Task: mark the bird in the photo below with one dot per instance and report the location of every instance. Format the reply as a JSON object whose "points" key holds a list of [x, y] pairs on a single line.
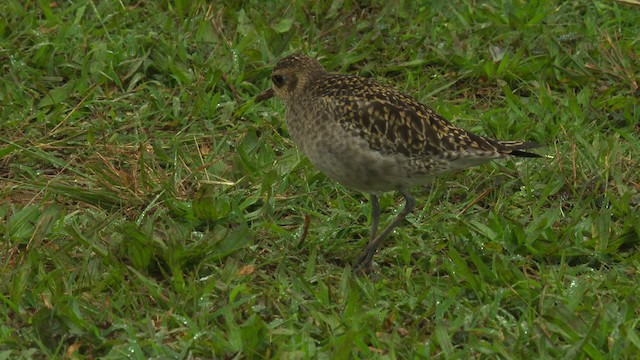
{"points": [[373, 138]]}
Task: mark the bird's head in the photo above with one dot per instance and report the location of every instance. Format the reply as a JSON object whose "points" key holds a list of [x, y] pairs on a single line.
{"points": [[291, 76]]}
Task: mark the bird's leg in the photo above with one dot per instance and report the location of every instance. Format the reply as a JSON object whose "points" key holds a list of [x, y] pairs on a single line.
{"points": [[375, 216], [366, 257]]}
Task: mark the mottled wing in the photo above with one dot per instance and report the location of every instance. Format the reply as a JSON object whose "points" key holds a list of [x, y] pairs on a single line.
{"points": [[393, 122]]}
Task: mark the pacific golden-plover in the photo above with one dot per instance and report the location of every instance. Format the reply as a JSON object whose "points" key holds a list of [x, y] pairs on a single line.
{"points": [[373, 138]]}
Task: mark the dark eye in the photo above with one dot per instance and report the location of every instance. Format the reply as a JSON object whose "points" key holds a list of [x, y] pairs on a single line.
{"points": [[278, 80]]}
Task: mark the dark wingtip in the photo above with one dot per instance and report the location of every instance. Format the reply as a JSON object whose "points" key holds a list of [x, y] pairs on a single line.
{"points": [[516, 148], [521, 153]]}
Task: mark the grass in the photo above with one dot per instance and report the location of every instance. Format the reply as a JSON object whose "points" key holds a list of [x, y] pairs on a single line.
{"points": [[151, 209]]}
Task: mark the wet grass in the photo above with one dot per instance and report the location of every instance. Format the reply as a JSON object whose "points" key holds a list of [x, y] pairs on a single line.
{"points": [[150, 208]]}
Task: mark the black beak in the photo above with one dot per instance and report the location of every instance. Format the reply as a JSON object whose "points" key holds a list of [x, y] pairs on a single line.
{"points": [[265, 95]]}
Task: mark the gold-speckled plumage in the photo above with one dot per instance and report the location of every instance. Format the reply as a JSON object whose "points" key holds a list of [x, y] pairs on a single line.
{"points": [[372, 137]]}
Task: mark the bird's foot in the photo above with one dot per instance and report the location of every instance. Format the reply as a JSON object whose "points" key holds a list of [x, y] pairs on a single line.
{"points": [[364, 263]]}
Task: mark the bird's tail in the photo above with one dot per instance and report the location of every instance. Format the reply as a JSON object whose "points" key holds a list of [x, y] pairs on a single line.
{"points": [[514, 148]]}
